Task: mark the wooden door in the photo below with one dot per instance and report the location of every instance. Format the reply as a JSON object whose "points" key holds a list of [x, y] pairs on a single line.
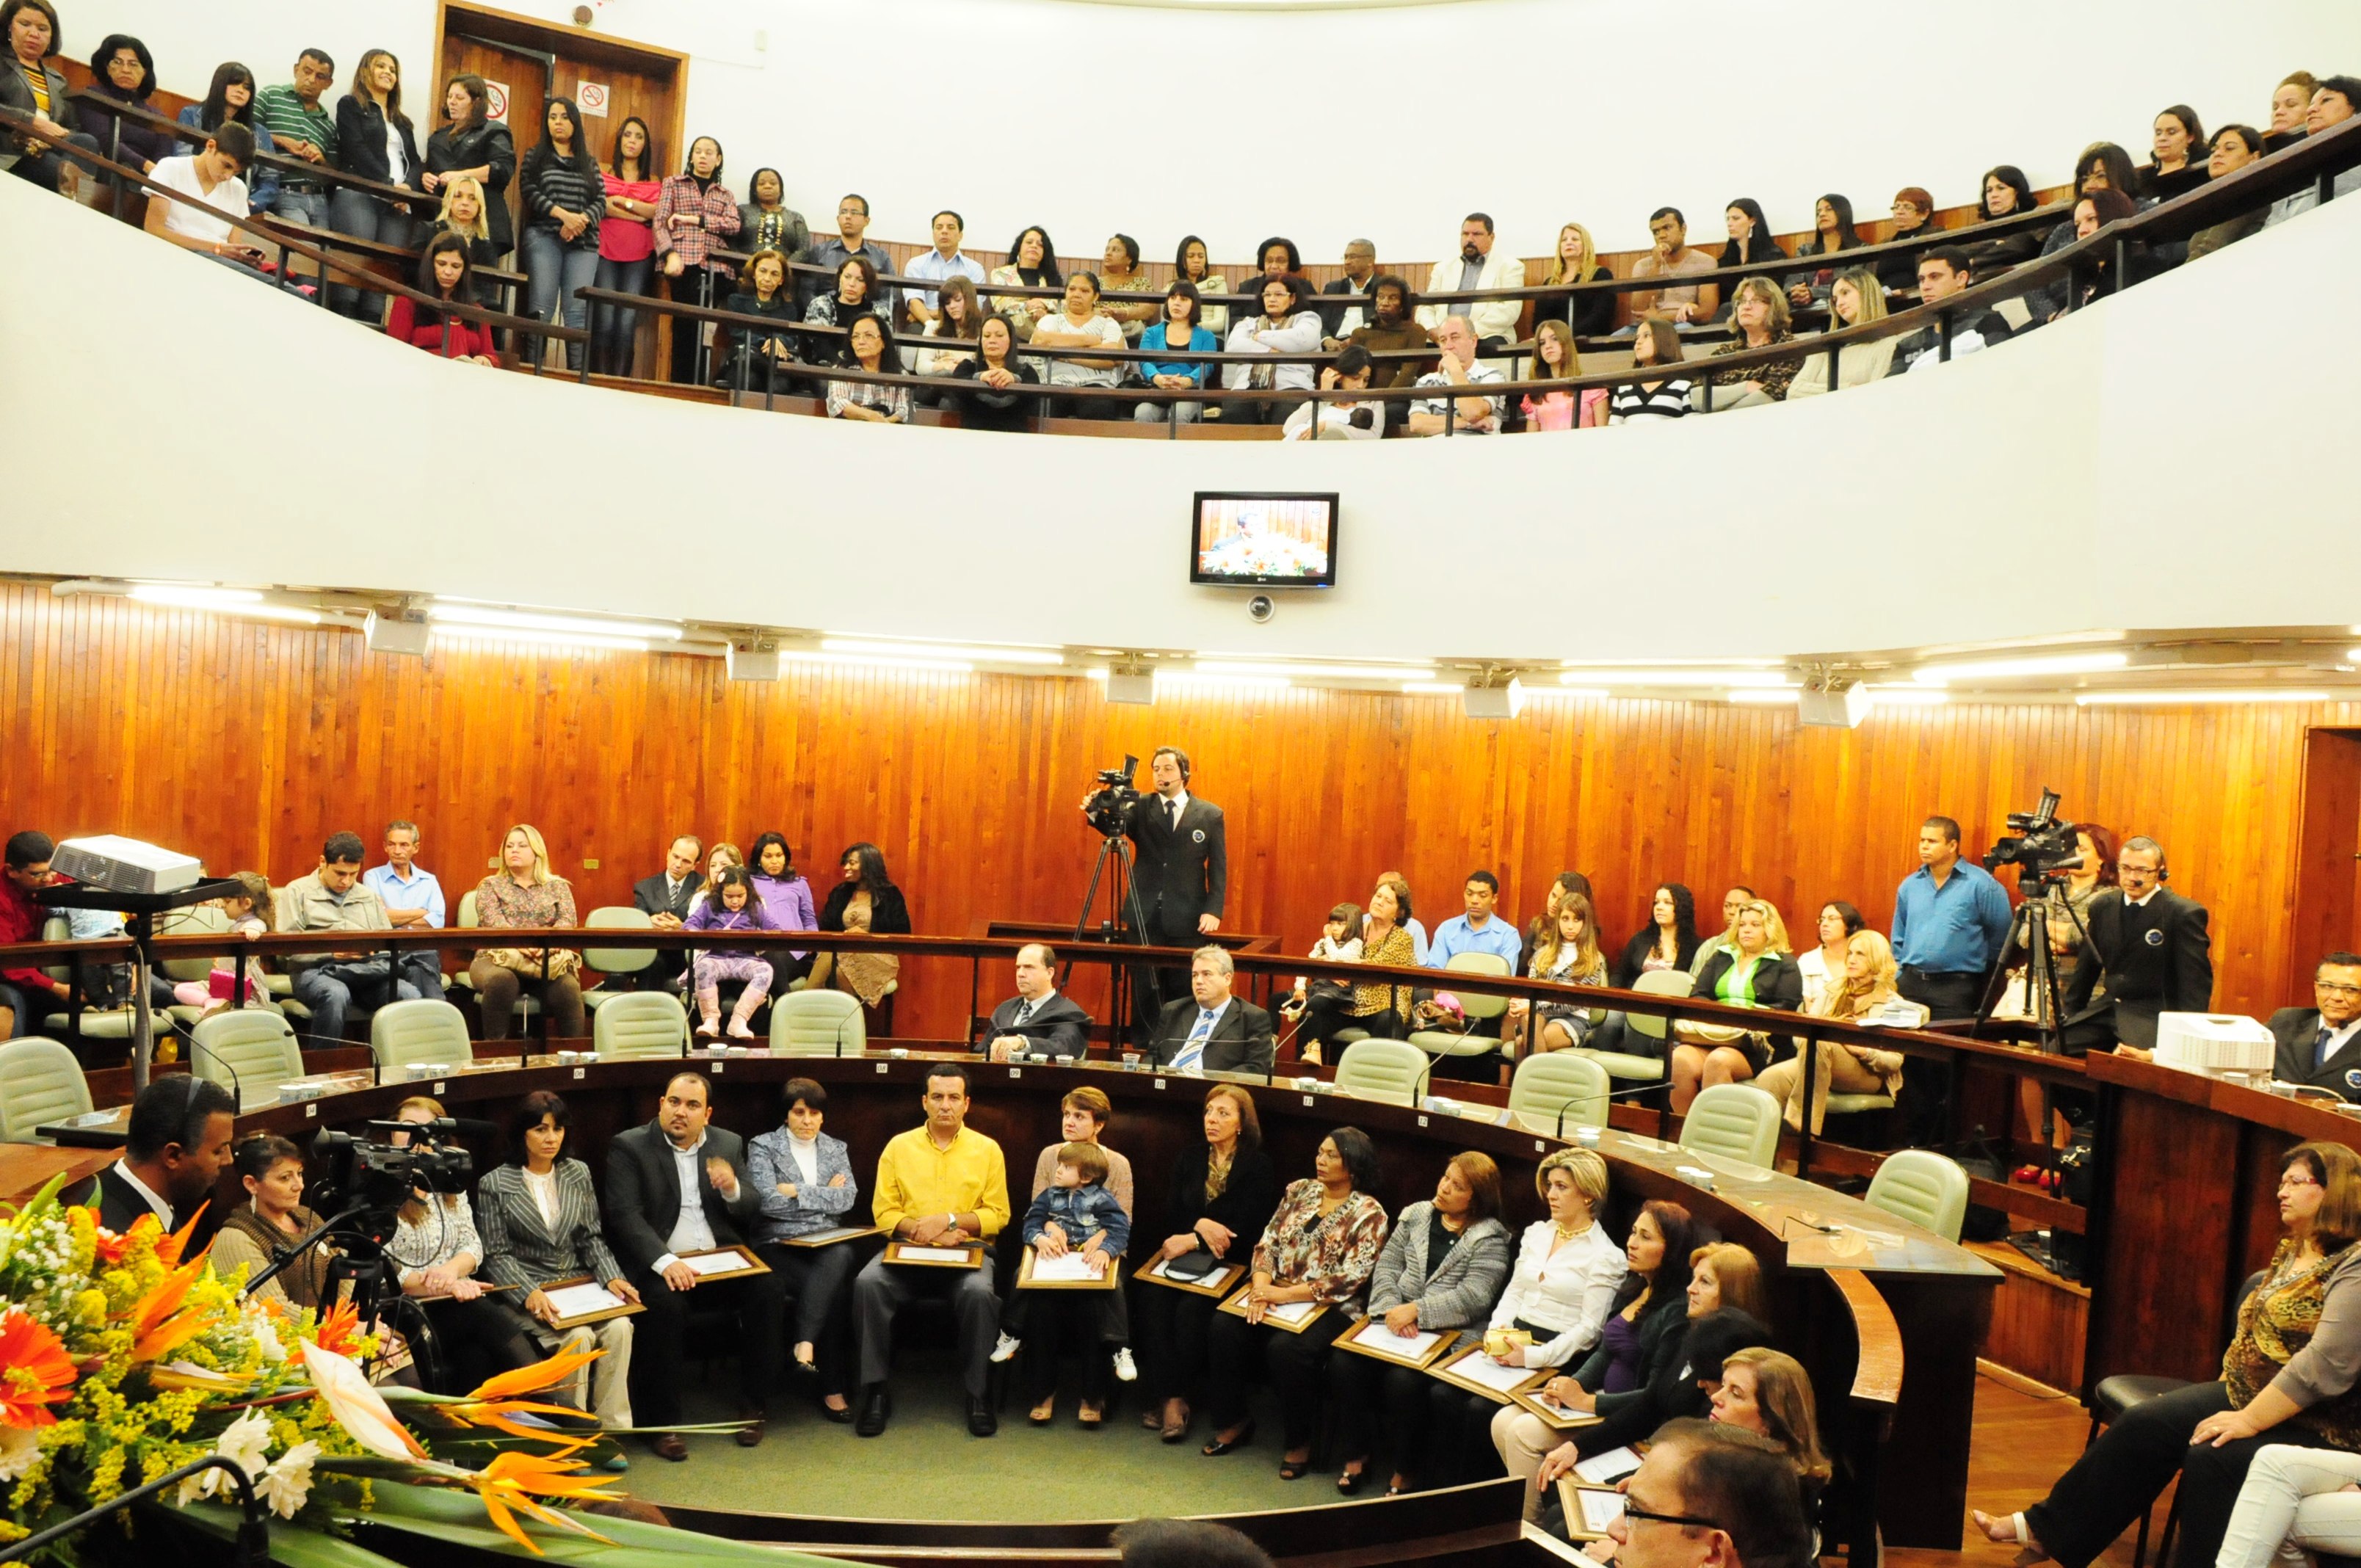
{"points": [[2328, 856]]}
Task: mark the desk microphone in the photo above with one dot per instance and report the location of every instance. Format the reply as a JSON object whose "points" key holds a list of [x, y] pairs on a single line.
{"points": [[1611, 1094], [237, 1089]]}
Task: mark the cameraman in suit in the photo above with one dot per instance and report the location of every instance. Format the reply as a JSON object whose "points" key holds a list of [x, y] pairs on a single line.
{"points": [[1037, 1018], [664, 899], [1210, 1030], [2154, 943], [1181, 874], [2321, 1044]]}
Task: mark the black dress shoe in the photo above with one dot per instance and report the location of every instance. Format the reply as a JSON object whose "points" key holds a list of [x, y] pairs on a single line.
{"points": [[980, 1422], [751, 1434], [669, 1445], [875, 1408]]}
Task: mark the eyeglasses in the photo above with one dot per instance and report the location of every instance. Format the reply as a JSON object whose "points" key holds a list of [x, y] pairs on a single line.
{"points": [[1631, 1511], [2336, 988], [2291, 1180]]}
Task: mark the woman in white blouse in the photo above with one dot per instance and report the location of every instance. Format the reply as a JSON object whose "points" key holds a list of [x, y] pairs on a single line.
{"points": [[1826, 963], [1285, 326], [1079, 325], [435, 1248]]}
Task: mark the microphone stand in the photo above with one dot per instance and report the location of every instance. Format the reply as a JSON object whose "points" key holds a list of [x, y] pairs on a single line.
{"points": [[252, 1543]]}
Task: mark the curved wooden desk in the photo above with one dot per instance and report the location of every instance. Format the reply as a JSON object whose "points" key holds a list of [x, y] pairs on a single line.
{"points": [[1889, 1337]]}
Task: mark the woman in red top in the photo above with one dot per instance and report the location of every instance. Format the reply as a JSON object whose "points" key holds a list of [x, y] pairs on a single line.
{"points": [[627, 246], [445, 272]]}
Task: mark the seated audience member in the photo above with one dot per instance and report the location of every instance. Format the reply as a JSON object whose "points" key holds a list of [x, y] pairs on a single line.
{"points": [[679, 1185], [375, 141], [210, 176], [2152, 942], [1440, 1271], [334, 899], [1750, 237], [1382, 1008], [1672, 258], [1339, 321], [1654, 347], [1474, 414], [1759, 319], [1076, 1213], [1743, 1483], [2006, 193], [1586, 313], [943, 1185], [564, 195], [944, 262], [31, 86], [1767, 1392], [1554, 359], [1480, 930], [412, 897], [1857, 995], [1211, 1030], [176, 1142], [1755, 972], [2102, 166], [787, 899], [249, 912], [538, 1216], [993, 403], [471, 145], [2332, 106], [1646, 1317], [665, 897], [1082, 1117], [231, 97], [957, 317], [2094, 276], [1032, 264], [2287, 1378], [1176, 330], [1734, 903], [1832, 233], [22, 917], [1492, 322], [855, 295], [1340, 942], [722, 857], [2297, 1501], [1553, 899], [2234, 147], [804, 1184], [1119, 272], [1338, 420], [300, 128], [852, 224], [1279, 255], [445, 272], [1284, 325], [267, 1225], [733, 907], [1914, 214], [1320, 1248], [2316, 1043], [1037, 1020], [1190, 265], [1669, 940], [2290, 100], [1079, 324], [627, 246], [2176, 156], [1943, 272], [1568, 954], [696, 214], [524, 893], [462, 216], [1559, 1294], [436, 1252], [765, 222], [123, 72], [1823, 963], [863, 900], [867, 348], [1222, 1192], [1392, 327], [1854, 300], [757, 358]]}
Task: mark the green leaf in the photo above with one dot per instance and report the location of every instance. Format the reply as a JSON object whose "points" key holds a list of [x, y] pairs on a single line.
{"points": [[459, 1517], [292, 1545]]}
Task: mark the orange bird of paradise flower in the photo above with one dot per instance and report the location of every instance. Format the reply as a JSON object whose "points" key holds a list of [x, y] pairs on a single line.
{"points": [[34, 1371], [495, 1402], [510, 1484], [159, 1326], [340, 1325]]}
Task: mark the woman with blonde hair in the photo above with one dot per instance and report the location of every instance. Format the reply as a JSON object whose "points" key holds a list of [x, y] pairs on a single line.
{"points": [[524, 893], [1556, 359], [1854, 300], [1575, 260], [1759, 318], [466, 213], [1755, 972], [1768, 1392], [1566, 954], [1843, 1067]]}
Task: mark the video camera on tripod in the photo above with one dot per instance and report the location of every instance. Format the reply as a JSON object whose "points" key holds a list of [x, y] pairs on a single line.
{"points": [[2043, 846], [374, 1176], [1109, 810]]}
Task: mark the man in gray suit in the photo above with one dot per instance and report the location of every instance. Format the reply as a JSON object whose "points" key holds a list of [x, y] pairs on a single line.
{"points": [[1209, 1030], [2321, 1044]]}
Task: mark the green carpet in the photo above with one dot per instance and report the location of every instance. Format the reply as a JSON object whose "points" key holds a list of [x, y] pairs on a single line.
{"points": [[809, 1465]]}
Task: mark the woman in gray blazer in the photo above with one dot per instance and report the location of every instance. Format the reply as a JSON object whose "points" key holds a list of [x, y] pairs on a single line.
{"points": [[805, 1181], [1441, 1270]]}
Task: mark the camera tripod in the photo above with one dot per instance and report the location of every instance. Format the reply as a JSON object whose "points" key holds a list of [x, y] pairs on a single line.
{"points": [[2045, 988], [1115, 848], [363, 1273]]}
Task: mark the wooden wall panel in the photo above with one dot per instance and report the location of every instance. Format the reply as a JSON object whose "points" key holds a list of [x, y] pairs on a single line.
{"points": [[247, 744]]}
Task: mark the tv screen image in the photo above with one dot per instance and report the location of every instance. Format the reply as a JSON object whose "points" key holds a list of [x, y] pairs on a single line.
{"points": [[1266, 540]]}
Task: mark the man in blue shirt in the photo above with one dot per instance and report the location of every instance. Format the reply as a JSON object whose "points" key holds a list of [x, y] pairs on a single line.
{"points": [[1478, 931], [412, 900], [1950, 921]]}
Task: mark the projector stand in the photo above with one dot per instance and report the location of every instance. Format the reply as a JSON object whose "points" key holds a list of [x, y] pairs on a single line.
{"points": [[142, 909]]}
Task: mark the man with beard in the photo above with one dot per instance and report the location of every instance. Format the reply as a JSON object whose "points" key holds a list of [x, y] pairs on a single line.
{"points": [[1494, 322]]}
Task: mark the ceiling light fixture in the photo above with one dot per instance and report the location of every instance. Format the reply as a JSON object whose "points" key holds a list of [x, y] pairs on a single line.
{"points": [[980, 655], [223, 601], [2202, 695], [2016, 669], [527, 621], [1178, 680]]}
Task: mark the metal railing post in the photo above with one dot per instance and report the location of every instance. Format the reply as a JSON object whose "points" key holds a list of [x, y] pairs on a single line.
{"points": [[1943, 337]]}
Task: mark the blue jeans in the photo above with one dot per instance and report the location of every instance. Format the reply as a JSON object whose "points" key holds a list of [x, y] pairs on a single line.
{"points": [[12, 998], [309, 208], [556, 270], [614, 329], [329, 989], [363, 217]]}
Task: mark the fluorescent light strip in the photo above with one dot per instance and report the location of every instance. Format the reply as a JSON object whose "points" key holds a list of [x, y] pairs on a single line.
{"points": [[1907, 696], [1228, 668], [1761, 696], [863, 662], [1180, 680], [526, 621], [2353, 655], [225, 602], [576, 642], [2013, 669], [1431, 688], [1567, 694], [1674, 665], [2202, 695], [1592, 675], [980, 655]]}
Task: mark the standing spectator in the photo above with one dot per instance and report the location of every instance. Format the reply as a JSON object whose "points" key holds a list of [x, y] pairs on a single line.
{"points": [[1032, 264], [31, 87], [1654, 347], [1471, 412], [1949, 920], [445, 273], [1913, 209], [1855, 300], [627, 246], [22, 917], [373, 141], [470, 142], [1589, 312], [300, 128], [333, 899], [1177, 329], [123, 72], [1672, 258], [993, 404], [864, 900], [525, 894], [2158, 958], [944, 261], [1759, 319], [765, 222], [565, 198], [412, 899], [2006, 193], [1190, 265], [1832, 234], [867, 348], [1392, 326], [851, 222], [1493, 322], [231, 97], [1080, 325], [694, 215]]}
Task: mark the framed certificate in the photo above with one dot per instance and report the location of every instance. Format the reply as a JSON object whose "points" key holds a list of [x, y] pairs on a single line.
{"points": [[585, 1301], [1067, 1272], [1588, 1509], [1292, 1316], [1218, 1283], [1555, 1416], [1479, 1374], [934, 1256], [724, 1263], [837, 1233], [1370, 1337]]}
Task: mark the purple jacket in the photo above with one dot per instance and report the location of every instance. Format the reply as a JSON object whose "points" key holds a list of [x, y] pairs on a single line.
{"points": [[788, 904], [708, 916]]}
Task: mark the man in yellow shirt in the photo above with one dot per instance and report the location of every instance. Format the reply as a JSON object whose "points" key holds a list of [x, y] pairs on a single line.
{"points": [[940, 1185]]}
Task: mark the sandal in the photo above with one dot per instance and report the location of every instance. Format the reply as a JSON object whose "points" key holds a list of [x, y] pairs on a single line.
{"points": [[1042, 1414], [1092, 1415], [1294, 1469]]}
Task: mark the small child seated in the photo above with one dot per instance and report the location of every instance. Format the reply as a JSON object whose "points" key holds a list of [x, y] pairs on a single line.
{"points": [[249, 917], [1075, 1213], [733, 907], [1340, 942]]}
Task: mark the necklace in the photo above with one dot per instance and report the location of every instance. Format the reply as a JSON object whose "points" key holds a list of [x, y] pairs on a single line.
{"points": [[1566, 1233]]}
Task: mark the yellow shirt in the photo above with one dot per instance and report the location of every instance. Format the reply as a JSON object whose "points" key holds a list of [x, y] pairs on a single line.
{"points": [[915, 1178]]}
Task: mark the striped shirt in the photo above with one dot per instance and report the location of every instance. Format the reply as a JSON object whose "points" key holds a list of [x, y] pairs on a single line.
{"points": [[283, 113], [1666, 400], [549, 182]]}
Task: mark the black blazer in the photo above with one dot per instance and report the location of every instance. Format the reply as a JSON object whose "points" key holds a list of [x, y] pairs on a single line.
{"points": [[1059, 1027], [1590, 315], [360, 144], [1241, 1040], [1777, 983], [650, 896], [487, 145], [1674, 1350], [888, 915], [1248, 1200], [1332, 316], [17, 94], [1643, 941], [2297, 1030], [1178, 876], [980, 408], [118, 1206], [2160, 960], [643, 1193]]}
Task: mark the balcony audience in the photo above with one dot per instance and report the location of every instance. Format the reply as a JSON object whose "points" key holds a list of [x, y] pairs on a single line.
{"points": [[1556, 359], [1176, 330], [1338, 419], [1943, 272], [1120, 273], [868, 349], [565, 194], [2176, 156], [830, 255], [1392, 327], [333, 899], [2006, 194], [1656, 347], [2331, 105], [627, 244], [1854, 300], [1192, 264], [957, 319], [462, 216], [1586, 313], [1339, 321], [1679, 303], [854, 294], [758, 358], [1491, 323], [210, 176], [525, 894], [123, 72], [2234, 147], [374, 141], [232, 97], [1079, 324], [446, 275], [1833, 233], [1760, 319], [993, 403], [944, 262], [1914, 214], [1032, 264], [696, 216], [33, 87], [765, 222], [300, 128], [2290, 101], [1285, 324], [1471, 414], [471, 143]]}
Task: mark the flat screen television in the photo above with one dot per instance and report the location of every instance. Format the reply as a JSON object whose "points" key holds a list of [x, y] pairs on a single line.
{"points": [[1263, 539]]}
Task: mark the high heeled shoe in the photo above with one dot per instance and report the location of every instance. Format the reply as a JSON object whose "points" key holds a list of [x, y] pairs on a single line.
{"points": [[1349, 1482], [1221, 1445]]}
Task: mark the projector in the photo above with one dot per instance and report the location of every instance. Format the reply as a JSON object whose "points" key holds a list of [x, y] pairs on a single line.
{"points": [[126, 865], [2213, 1043]]}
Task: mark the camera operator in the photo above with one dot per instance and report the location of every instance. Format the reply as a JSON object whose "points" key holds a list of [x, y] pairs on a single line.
{"points": [[2154, 943], [1181, 874]]}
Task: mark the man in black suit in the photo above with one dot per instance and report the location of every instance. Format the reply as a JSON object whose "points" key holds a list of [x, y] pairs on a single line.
{"points": [[1210, 1030], [178, 1146], [664, 898], [2158, 958], [2321, 1044], [1182, 874], [1037, 1018], [1339, 322], [677, 1186]]}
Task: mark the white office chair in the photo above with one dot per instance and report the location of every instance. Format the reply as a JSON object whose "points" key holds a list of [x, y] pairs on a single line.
{"points": [[1559, 1089], [1391, 1071], [250, 1051], [639, 1024], [817, 1023], [41, 1083], [1736, 1121], [420, 1033]]}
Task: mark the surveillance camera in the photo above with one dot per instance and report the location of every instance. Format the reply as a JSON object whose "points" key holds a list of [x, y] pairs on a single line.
{"points": [[1259, 608]]}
